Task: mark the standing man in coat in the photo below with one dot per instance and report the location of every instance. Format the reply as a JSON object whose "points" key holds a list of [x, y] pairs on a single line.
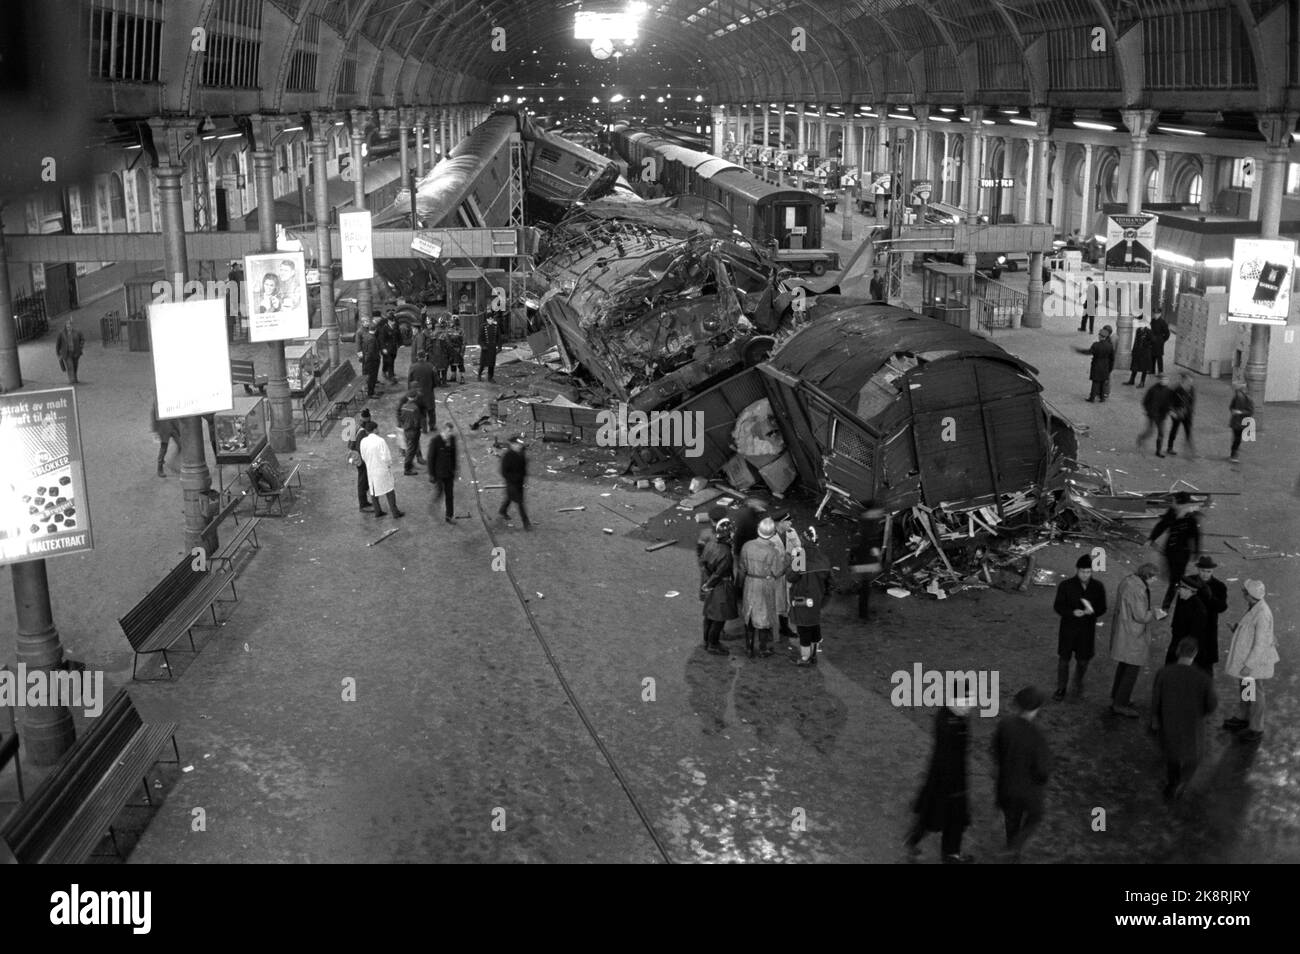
{"points": [[1080, 602], [744, 525], [489, 339], [810, 587], [442, 469], [421, 376], [455, 350], [942, 804], [1130, 636], [1099, 368], [1159, 335], [1089, 303], [1181, 412], [389, 339], [1192, 621], [514, 471], [379, 470], [356, 460], [760, 576], [1143, 362], [371, 355], [168, 430], [866, 553], [1023, 765], [1215, 594], [717, 586], [1251, 657], [1183, 695], [1240, 408], [68, 347], [410, 419], [876, 286], [1183, 542], [1156, 403]]}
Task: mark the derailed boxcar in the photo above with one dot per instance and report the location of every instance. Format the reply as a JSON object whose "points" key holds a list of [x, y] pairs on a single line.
{"points": [[876, 402]]}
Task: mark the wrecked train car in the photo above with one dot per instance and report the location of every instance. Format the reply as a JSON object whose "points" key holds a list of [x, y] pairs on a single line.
{"points": [[652, 302], [876, 402]]}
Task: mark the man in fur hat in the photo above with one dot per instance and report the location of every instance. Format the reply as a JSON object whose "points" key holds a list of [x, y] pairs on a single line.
{"points": [[1080, 601]]}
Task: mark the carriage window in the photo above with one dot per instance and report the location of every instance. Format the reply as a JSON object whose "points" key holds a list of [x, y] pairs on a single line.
{"points": [[547, 154], [789, 216]]}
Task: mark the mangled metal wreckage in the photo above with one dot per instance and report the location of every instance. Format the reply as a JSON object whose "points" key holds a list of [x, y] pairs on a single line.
{"points": [[652, 303], [859, 402]]}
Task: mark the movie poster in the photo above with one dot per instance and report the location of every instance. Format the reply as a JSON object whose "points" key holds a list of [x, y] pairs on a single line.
{"points": [[276, 296], [43, 505]]}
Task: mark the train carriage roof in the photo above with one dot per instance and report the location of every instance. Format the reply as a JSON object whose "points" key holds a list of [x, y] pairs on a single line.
{"points": [[749, 186]]}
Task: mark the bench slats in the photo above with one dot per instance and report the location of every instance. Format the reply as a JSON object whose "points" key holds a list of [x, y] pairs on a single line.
{"points": [[187, 613]]}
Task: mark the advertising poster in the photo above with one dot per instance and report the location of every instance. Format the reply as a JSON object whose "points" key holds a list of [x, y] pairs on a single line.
{"points": [[191, 358], [276, 293], [1263, 271], [43, 506], [1130, 242], [354, 236]]}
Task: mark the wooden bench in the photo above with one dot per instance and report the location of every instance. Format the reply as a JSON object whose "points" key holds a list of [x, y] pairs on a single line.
{"points": [[343, 389], [286, 489], [9, 747], [557, 415], [245, 534], [242, 372], [315, 408], [173, 608], [69, 814]]}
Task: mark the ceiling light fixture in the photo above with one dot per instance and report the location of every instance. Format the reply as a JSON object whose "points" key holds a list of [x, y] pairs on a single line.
{"points": [[1181, 131], [1089, 124]]}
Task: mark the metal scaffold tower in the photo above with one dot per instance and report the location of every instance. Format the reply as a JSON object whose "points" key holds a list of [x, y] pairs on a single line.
{"points": [[894, 259], [519, 264]]}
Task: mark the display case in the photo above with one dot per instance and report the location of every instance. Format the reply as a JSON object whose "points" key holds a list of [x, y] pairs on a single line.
{"points": [[300, 361], [241, 431], [318, 341]]}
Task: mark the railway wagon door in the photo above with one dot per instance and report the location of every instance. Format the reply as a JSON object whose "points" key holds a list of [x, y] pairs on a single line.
{"points": [[791, 221]]}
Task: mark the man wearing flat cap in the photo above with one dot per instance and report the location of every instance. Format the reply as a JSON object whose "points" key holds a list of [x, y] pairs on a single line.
{"points": [[1192, 620], [1023, 766], [1130, 636], [1080, 602], [1251, 657]]}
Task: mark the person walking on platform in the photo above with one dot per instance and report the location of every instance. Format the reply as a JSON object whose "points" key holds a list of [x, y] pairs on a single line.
{"points": [[1130, 636], [421, 376], [865, 553], [1102, 352], [168, 430], [1181, 412], [355, 458], [876, 286], [1240, 408], [514, 471], [1181, 698], [489, 339], [1023, 764], [809, 574], [1159, 335], [389, 340], [440, 352], [1143, 362], [942, 804], [1192, 621], [379, 459], [1181, 528], [442, 469], [1156, 403], [69, 347], [1080, 602], [1089, 304], [717, 586], [760, 575], [1251, 658], [410, 419]]}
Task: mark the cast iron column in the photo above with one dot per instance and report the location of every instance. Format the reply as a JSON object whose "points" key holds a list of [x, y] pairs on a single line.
{"points": [[1277, 129], [974, 158], [359, 200], [1036, 193], [281, 436], [1138, 122], [324, 256]]}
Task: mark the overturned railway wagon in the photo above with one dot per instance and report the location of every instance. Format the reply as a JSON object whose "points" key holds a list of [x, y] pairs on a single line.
{"points": [[876, 402]]}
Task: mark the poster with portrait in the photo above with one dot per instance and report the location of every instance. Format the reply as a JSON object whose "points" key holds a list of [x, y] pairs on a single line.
{"points": [[275, 293], [191, 357], [43, 505], [1259, 290]]}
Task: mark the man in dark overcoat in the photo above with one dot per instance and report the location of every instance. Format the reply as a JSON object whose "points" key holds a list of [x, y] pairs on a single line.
{"points": [[1102, 352], [1215, 595], [371, 360], [1023, 765], [810, 588], [717, 586], [421, 376], [1192, 619], [942, 804], [442, 468], [1183, 526], [1080, 602], [1183, 695]]}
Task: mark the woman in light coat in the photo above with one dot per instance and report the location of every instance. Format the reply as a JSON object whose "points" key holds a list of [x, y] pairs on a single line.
{"points": [[1130, 636], [1251, 658], [379, 470]]}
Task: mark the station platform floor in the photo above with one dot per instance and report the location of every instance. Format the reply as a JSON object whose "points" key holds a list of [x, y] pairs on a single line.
{"points": [[564, 710]]}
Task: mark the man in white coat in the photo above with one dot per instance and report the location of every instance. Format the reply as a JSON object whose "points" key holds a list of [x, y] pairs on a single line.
{"points": [[379, 469], [1130, 636], [1250, 659]]}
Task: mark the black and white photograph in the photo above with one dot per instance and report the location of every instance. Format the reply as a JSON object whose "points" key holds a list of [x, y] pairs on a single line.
{"points": [[883, 447]]}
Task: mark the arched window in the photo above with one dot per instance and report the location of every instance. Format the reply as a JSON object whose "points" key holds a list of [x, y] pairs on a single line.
{"points": [[1153, 185], [1194, 187], [1076, 175], [144, 205], [116, 203]]}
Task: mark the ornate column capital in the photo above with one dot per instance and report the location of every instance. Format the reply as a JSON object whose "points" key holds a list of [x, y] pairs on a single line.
{"points": [[1276, 128], [1042, 117], [976, 116], [1138, 121]]}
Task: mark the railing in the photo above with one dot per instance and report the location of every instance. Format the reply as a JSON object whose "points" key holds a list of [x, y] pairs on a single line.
{"points": [[30, 320], [997, 305]]}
